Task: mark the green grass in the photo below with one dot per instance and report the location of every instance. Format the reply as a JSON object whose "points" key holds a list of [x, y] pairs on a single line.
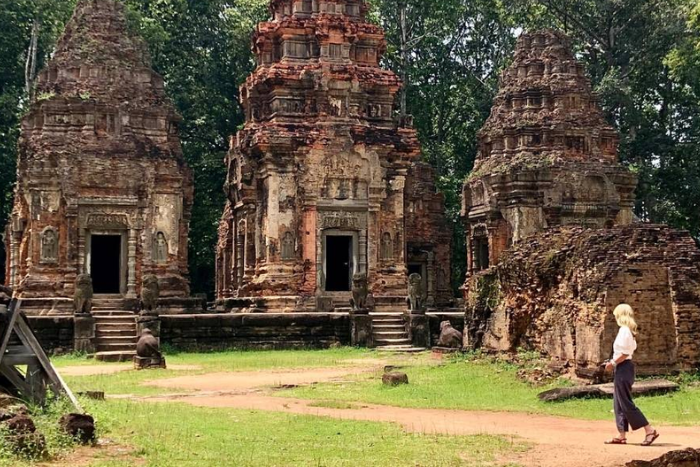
{"points": [[131, 381], [180, 435], [481, 385]]}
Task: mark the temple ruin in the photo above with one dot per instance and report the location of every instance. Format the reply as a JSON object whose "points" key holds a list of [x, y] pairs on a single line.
{"points": [[553, 242], [324, 180], [103, 188]]}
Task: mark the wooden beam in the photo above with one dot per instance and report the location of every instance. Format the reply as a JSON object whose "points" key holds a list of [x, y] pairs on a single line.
{"points": [[29, 339], [17, 379], [13, 312]]}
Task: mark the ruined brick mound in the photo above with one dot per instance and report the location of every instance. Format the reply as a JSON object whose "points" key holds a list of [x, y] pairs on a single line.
{"points": [[79, 426], [685, 458], [394, 378], [555, 292], [21, 433]]}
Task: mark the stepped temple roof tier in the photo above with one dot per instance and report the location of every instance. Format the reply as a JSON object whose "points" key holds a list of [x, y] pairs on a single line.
{"points": [[547, 157], [103, 188], [318, 176]]}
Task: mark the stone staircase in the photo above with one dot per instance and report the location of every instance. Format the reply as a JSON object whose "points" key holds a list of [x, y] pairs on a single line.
{"points": [[388, 326], [115, 330]]}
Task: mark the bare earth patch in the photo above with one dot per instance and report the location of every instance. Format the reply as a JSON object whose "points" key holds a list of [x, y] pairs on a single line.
{"points": [[93, 370], [106, 451], [557, 441], [247, 380]]}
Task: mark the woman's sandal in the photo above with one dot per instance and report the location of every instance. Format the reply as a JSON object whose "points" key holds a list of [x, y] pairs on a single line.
{"points": [[617, 441], [653, 436]]}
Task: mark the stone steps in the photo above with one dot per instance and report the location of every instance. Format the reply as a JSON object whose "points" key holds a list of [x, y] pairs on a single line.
{"points": [[401, 348], [389, 329], [115, 334]]}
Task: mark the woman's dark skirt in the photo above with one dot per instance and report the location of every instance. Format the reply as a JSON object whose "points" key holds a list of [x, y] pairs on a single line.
{"points": [[626, 413]]}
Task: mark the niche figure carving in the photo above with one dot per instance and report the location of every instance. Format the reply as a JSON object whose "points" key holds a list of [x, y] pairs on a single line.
{"points": [[82, 298], [288, 246], [449, 336], [150, 292], [160, 248], [387, 247], [415, 293], [49, 246], [358, 302]]}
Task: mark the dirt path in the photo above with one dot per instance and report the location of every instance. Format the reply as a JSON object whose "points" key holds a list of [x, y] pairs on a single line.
{"points": [[247, 380], [110, 369], [557, 441]]}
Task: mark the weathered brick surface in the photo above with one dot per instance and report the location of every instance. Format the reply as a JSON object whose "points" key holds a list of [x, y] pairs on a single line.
{"points": [[261, 330], [321, 152], [99, 153], [55, 333], [556, 292]]}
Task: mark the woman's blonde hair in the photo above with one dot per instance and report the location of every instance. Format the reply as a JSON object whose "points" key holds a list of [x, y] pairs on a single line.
{"points": [[624, 314]]}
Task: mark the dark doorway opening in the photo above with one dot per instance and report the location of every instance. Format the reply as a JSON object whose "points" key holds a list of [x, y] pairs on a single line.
{"points": [[415, 269], [481, 253], [338, 263], [105, 263]]}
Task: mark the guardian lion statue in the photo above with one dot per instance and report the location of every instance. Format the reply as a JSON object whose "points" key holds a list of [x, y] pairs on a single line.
{"points": [[82, 299], [358, 301], [415, 293], [148, 354], [449, 336], [150, 293]]}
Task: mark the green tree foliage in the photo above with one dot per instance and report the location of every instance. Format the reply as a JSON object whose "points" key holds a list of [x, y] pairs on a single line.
{"points": [[449, 54], [643, 58], [18, 20], [202, 49], [638, 55]]}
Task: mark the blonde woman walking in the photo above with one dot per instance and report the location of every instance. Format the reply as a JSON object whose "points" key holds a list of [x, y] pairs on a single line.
{"points": [[626, 413]]}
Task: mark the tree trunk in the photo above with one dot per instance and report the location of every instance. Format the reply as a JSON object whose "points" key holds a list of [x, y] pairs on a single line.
{"points": [[30, 65]]}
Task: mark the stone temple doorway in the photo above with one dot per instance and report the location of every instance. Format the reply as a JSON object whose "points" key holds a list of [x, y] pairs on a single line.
{"points": [[339, 251], [106, 263]]}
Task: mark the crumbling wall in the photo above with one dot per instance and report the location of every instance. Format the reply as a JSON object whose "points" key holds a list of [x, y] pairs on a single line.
{"points": [[557, 291]]}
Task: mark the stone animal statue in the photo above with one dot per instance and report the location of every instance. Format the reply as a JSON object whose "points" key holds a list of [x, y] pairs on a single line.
{"points": [[150, 292], [82, 299], [148, 346], [359, 292], [449, 336], [415, 293]]}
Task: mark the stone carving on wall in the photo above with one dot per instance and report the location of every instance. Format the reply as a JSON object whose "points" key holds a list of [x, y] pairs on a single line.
{"points": [[49, 245], [160, 248], [107, 221], [387, 248], [340, 220], [288, 246]]}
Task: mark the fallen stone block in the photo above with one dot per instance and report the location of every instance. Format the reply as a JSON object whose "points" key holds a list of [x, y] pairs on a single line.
{"points": [[654, 386], [394, 378], [79, 426]]}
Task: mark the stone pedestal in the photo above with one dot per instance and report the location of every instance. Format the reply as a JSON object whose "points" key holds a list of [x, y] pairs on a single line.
{"points": [[419, 329], [84, 333], [154, 363], [361, 329]]}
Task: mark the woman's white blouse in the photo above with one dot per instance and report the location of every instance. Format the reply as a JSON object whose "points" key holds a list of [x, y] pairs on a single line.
{"points": [[624, 343]]}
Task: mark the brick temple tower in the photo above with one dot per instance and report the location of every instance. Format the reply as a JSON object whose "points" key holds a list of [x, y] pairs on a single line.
{"points": [[323, 181], [547, 157], [102, 184]]}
